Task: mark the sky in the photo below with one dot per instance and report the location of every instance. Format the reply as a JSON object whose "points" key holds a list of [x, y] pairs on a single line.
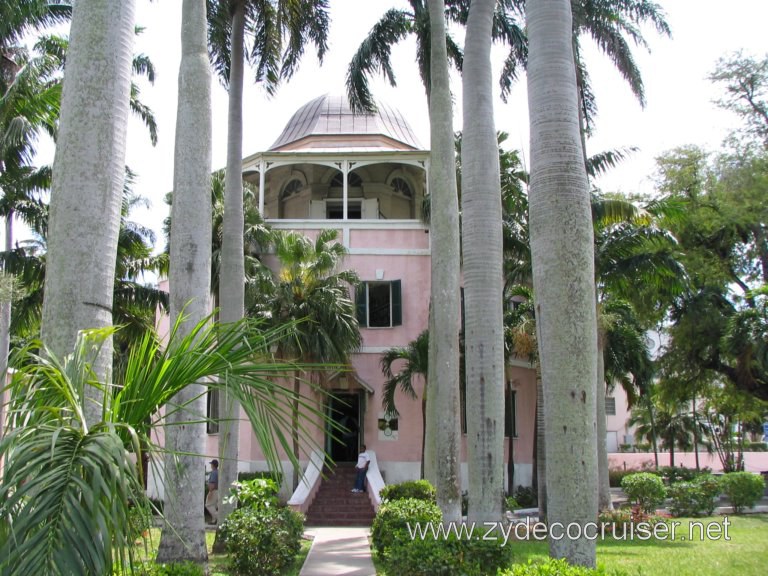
{"points": [[679, 108]]}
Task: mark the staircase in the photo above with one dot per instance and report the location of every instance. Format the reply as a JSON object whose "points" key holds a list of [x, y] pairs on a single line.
{"points": [[335, 504]]}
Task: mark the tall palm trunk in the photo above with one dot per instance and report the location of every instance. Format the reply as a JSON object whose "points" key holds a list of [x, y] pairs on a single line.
{"points": [[232, 283], [446, 303], [6, 299], [183, 538], [88, 175], [695, 431], [541, 447], [295, 428], [562, 249], [654, 437], [483, 275], [603, 482]]}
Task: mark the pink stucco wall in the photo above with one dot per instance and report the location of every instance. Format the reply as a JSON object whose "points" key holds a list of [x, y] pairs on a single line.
{"points": [[754, 461]]}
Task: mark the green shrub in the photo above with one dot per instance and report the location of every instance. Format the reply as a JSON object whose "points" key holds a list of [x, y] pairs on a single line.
{"points": [[553, 567], [696, 498], [616, 475], [276, 477], [139, 519], [392, 520], [756, 447], [449, 555], [256, 493], [510, 503], [418, 489], [262, 541], [526, 496], [673, 474], [743, 489], [170, 569], [644, 489]]}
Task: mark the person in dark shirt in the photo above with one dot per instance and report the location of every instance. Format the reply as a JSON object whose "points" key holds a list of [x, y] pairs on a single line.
{"points": [[212, 499]]}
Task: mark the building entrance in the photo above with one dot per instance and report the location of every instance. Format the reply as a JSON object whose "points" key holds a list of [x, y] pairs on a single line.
{"points": [[345, 410]]}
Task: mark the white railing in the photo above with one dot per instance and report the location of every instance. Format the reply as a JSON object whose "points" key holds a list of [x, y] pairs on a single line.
{"points": [[375, 481], [310, 481]]}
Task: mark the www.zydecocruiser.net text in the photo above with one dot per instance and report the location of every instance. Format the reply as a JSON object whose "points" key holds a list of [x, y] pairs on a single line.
{"points": [[535, 530]]}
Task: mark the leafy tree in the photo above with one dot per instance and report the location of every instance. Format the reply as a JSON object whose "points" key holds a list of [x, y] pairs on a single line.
{"points": [[415, 359], [67, 485], [309, 286]]}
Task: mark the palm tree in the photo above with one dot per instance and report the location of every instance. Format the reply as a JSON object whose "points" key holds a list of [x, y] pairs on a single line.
{"points": [[443, 436], [562, 249], [395, 25], [91, 140], [68, 485], [671, 422], [416, 364], [18, 17], [483, 272], [279, 32], [309, 286], [189, 276]]}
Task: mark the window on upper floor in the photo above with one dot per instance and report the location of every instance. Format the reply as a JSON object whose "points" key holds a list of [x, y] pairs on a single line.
{"points": [[610, 406], [379, 304], [353, 181], [334, 209], [401, 186]]}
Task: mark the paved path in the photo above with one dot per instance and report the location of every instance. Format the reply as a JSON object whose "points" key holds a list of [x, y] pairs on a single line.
{"points": [[339, 552]]}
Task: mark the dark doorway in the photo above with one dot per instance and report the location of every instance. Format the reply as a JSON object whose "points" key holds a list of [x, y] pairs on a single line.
{"points": [[344, 409]]}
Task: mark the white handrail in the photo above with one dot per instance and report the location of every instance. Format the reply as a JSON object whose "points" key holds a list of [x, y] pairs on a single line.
{"points": [[310, 480], [375, 481]]}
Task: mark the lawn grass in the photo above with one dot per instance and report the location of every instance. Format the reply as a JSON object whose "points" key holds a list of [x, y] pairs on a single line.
{"points": [[745, 554]]}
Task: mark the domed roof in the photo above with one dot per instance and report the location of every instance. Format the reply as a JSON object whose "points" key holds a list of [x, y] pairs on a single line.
{"points": [[327, 124]]}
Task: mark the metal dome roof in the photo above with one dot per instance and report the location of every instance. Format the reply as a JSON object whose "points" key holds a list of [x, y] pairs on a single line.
{"points": [[328, 123]]}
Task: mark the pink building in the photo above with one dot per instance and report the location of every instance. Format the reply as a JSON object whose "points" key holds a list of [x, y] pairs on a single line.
{"points": [[366, 177]]}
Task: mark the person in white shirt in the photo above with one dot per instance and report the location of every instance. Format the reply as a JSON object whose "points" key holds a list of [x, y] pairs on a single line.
{"points": [[363, 461]]}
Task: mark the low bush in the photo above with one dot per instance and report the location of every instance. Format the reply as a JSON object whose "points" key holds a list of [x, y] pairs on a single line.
{"points": [[277, 478], [418, 489], [393, 519], [262, 541], [257, 493], [646, 490], [743, 489], [526, 496], [616, 475], [554, 567], [511, 503], [404, 551], [674, 474], [695, 498], [756, 447], [170, 569], [139, 519]]}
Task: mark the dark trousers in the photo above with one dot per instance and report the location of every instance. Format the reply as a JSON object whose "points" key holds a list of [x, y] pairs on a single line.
{"points": [[360, 478]]}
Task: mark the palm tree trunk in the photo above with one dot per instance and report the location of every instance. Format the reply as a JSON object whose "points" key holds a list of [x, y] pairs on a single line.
{"points": [[603, 482], [541, 448], [6, 300], [511, 454], [295, 428], [183, 537], [423, 429], [654, 438], [695, 431], [232, 281], [562, 249], [482, 267], [87, 186], [446, 302]]}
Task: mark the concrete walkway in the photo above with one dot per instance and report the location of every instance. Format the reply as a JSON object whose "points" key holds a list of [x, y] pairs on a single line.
{"points": [[339, 552]]}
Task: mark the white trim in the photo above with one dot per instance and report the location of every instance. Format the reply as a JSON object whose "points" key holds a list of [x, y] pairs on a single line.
{"points": [[389, 252], [373, 349], [306, 224], [345, 237]]}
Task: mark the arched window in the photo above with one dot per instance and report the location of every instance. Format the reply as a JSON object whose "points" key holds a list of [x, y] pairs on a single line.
{"points": [[292, 187], [400, 186]]}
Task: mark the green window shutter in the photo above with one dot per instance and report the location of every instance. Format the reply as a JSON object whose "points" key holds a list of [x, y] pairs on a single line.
{"points": [[397, 303], [361, 302]]}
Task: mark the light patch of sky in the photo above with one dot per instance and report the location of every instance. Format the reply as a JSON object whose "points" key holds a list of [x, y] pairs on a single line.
{"points": [[679, 97]]}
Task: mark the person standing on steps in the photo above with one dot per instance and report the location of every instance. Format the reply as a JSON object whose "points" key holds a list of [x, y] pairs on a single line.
{"points": [[363, 461], [212, 498]]}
